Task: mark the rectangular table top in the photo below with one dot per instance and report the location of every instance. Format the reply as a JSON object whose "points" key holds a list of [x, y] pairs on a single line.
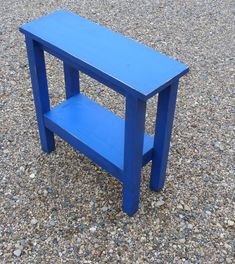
{"points": [[126, 63]]}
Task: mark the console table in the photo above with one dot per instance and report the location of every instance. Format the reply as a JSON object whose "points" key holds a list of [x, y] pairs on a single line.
{"points": [[120, 146]]}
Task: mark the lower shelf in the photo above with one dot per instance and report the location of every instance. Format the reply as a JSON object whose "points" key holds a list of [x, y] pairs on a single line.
{"points": [[94, 131]]}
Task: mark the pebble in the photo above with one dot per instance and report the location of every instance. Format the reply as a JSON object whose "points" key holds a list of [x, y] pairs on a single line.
{"points": [[104, 208], [142, 239], [34, 221], [17, 252], [219, 145], [52, 223], [180, 206], [227, 246], [230, 223], [229, 260], [159, 203], [13, 83], [190, 226], [93, 229], [182, 240], [5, 151], [32, 176], [19, 246], [187, 208]]}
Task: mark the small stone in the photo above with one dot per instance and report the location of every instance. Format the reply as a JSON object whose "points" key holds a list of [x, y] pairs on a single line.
{"points": [[13, 83], [230, 223], [55, 240], [32, 176], [34, 221], [159, 203], [179, 206], [43, 238], [52, 223], [187, 208], [227, 246], [96, 245], [224, 184], [219, 145], [93, 229], [229, 260], [190, 226], [182, 240], [45, 192], [49, 190], [19, 246], [142, 239], [17, 252], [196, 230], [104, 208], [20, 171], [157, 221]]}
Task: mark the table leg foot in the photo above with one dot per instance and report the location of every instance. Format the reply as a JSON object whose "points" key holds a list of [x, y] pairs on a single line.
{"points": [[47, 140], [130, 201], [133, 154], [155, 187]]}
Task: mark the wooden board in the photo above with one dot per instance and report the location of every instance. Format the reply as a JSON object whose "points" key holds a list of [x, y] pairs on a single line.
{"points": [[121, 63], [95, 131]]}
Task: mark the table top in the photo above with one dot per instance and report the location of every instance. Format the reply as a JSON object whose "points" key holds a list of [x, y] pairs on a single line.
{"points": [[134, 67]]}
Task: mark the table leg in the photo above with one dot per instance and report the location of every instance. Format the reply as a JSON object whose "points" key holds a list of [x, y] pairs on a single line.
{"points": [[71, 79], [40, 91], [163, 129], [134, 137]]}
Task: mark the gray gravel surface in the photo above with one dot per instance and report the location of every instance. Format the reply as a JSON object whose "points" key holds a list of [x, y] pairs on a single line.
{"points": [[62, 208]]}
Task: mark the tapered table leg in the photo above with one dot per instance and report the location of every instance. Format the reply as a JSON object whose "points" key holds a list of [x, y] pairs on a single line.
{"points": [[40, 91], [163, 129], [134, 136]]}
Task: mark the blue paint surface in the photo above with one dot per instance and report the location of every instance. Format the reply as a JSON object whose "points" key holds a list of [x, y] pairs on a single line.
{"points": [[93, 130], [135, 67], [138, 72]]}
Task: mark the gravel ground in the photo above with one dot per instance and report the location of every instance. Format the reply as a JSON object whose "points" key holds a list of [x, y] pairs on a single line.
{"points": [[62, 208]]}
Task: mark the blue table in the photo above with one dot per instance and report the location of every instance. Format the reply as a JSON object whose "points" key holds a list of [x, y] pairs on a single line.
{"points": [[138, 72]]}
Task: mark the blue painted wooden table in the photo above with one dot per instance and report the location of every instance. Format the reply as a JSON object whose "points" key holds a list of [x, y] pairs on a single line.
{"points": [[138, 72]]}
